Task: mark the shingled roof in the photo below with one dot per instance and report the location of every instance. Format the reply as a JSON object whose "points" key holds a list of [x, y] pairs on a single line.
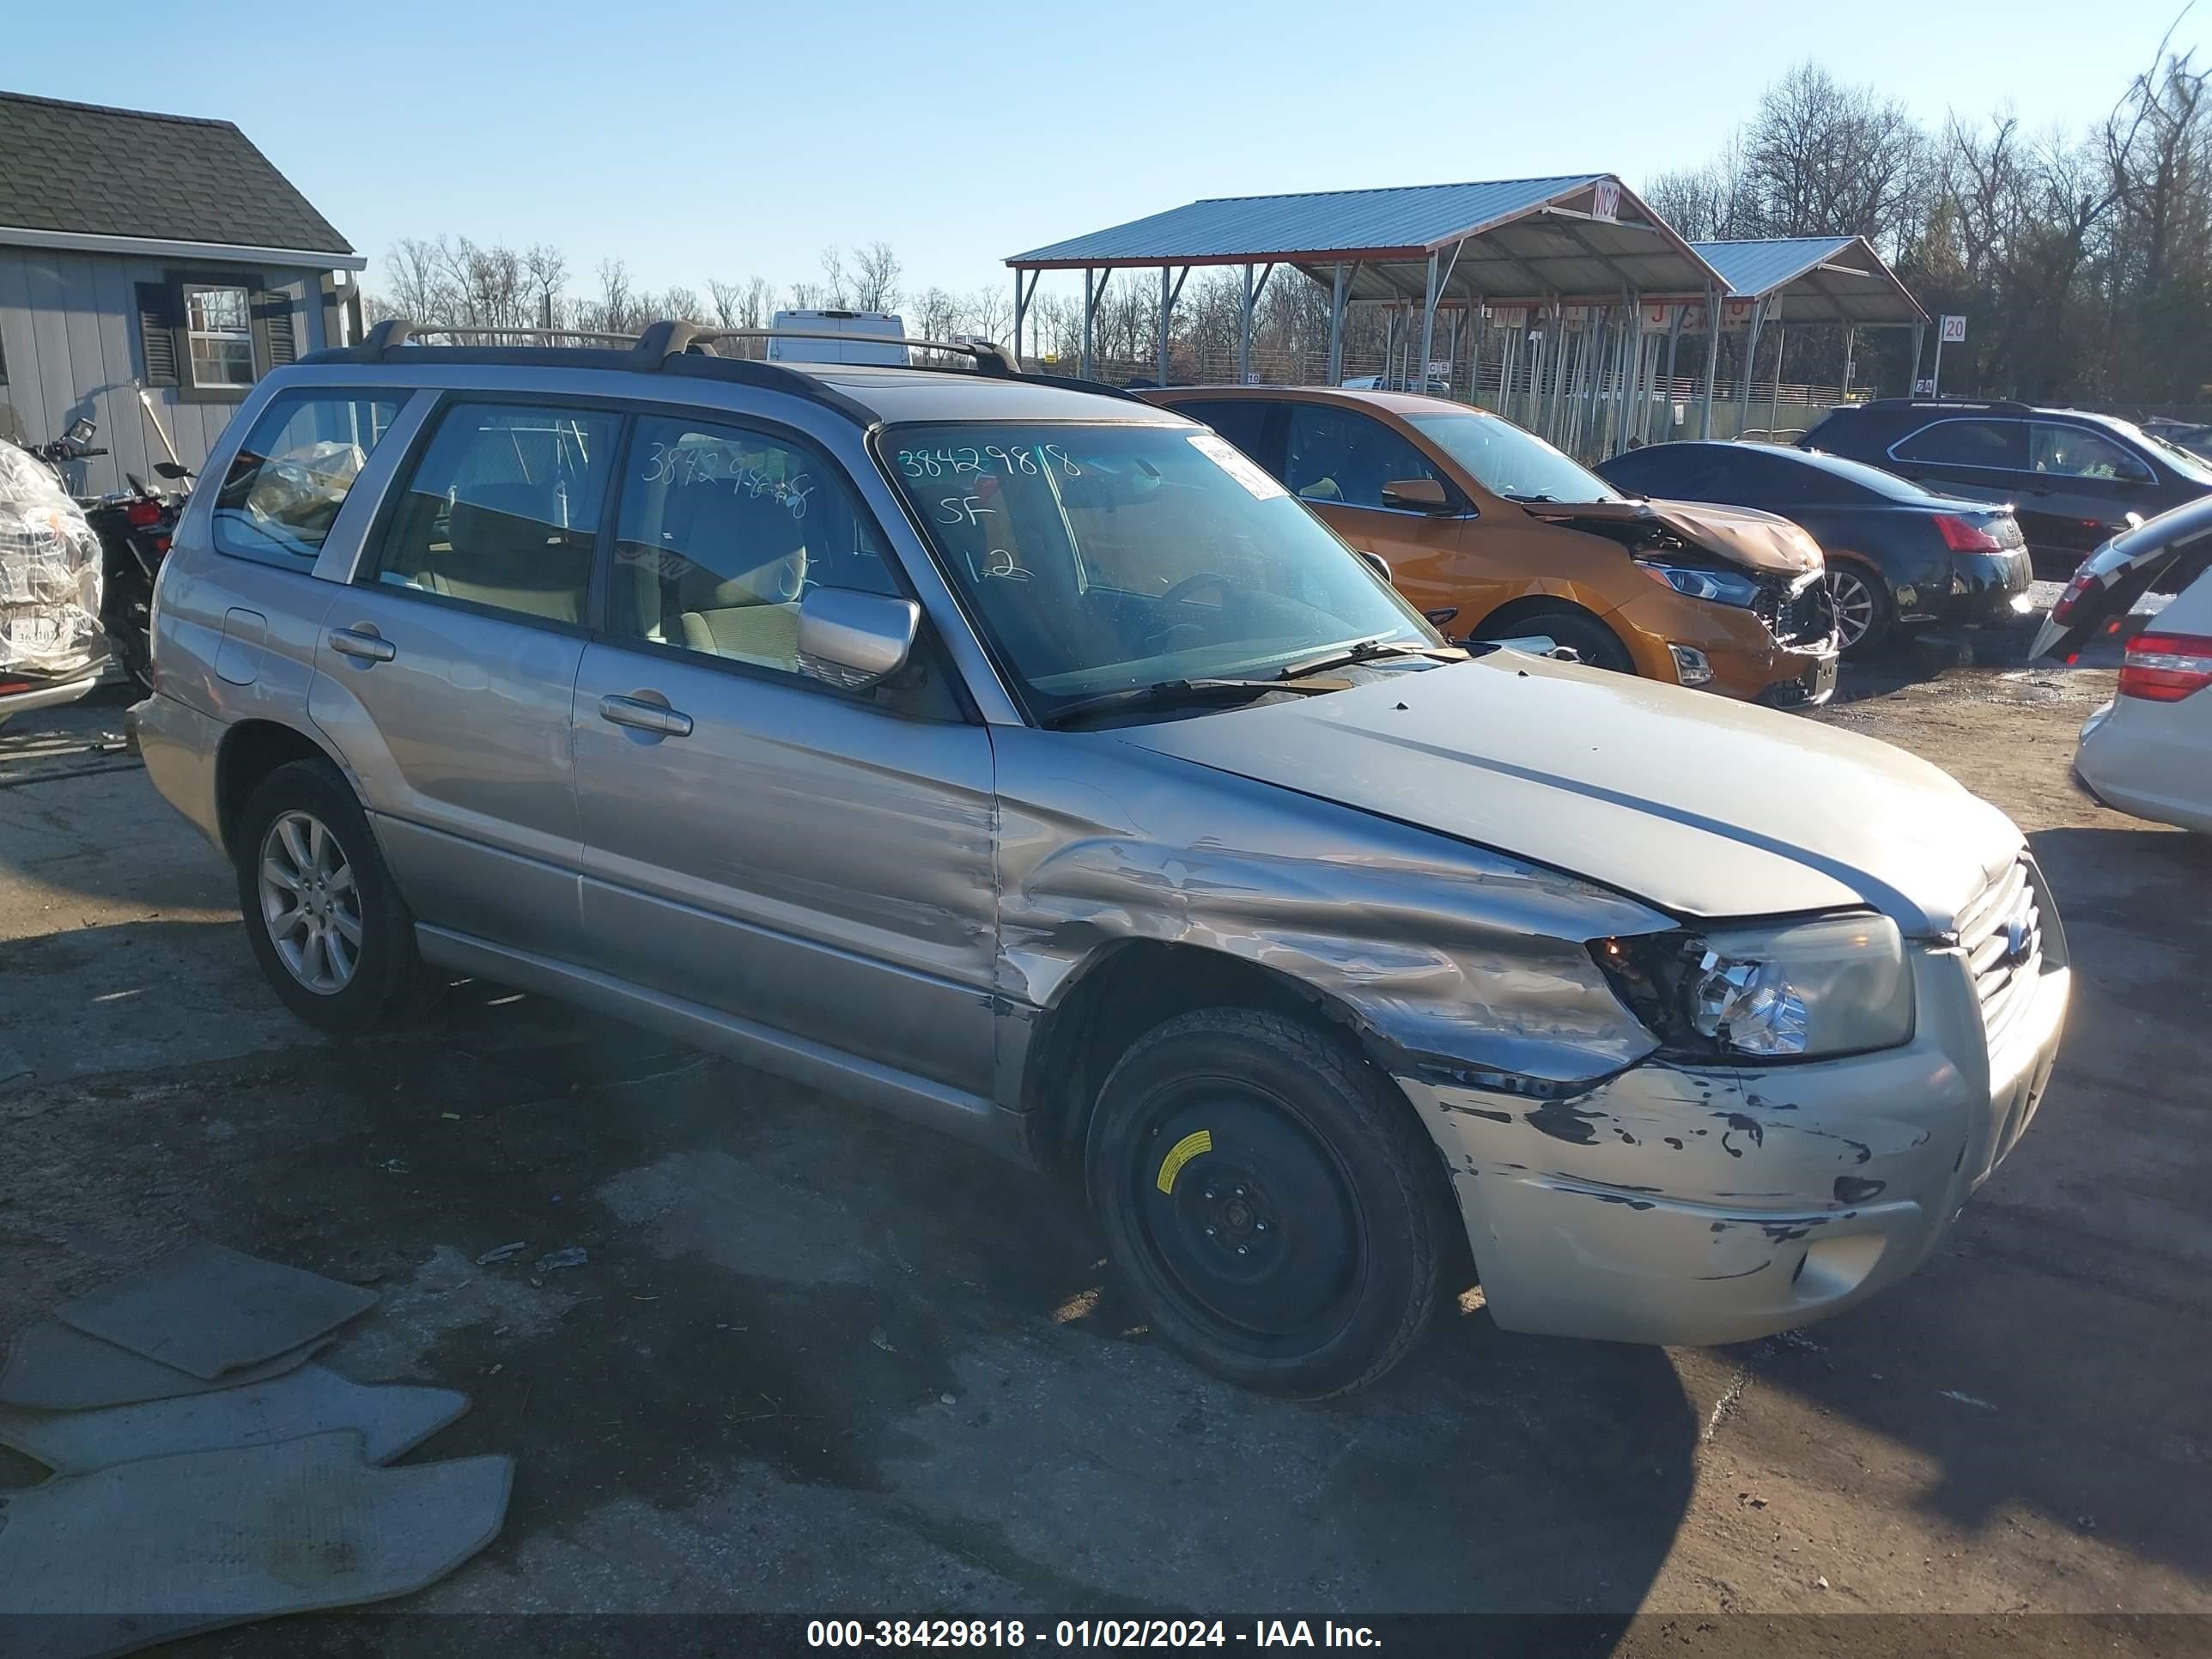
{"points": [[85, 169]]}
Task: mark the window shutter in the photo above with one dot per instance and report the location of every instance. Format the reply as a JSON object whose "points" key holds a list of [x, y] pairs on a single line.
{"points": [[157, 331], [274, 344]]}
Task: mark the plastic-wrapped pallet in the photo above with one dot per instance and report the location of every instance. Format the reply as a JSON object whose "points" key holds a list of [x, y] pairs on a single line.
{"points": [[50, 567]]}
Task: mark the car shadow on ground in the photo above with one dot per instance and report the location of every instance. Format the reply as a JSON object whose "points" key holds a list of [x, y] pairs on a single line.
{"points": [[2047, 1363], [779, 1287]]}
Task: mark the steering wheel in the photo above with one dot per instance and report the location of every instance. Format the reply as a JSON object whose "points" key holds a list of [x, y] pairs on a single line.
{"points": [[1190, 584], [1162, 638]]}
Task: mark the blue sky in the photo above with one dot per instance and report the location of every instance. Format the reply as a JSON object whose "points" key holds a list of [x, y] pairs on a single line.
{"points": [[728, 140]]}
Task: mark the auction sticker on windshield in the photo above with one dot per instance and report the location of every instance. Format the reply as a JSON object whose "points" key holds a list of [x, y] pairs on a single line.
{"points": [[1239, 466]]}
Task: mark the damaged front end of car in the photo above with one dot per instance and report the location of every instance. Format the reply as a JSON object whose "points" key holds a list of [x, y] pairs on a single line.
{"points": [[1824, 1096]]}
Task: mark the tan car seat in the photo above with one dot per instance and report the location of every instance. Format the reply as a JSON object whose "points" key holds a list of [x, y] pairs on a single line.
{"points": [[747, 558]]}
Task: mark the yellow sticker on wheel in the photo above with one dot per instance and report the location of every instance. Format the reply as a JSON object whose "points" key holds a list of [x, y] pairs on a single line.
{"points": [[1198, 1141]]}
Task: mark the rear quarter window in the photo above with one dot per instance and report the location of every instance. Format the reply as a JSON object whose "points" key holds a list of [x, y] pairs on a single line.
{"points": [[284, 487]]}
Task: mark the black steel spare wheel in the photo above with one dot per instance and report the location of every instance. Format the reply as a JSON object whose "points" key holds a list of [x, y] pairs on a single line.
{"points": [[1271, 1200], [1249, 1218]]}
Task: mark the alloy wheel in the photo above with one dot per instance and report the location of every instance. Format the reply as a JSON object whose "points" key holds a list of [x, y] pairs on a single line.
{"points": [[310, 902], [1854, 605]]}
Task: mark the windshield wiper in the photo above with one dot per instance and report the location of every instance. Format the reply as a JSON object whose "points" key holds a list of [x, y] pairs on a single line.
{"points": [[1510, 496], [1360, 651], [1160, 695]]}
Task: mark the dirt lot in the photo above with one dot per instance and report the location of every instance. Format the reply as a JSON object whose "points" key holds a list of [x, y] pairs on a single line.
{"points": [[817, 1362]]}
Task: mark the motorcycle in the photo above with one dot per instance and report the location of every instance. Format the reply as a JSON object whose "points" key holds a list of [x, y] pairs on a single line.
{"points": [[134, 524]]}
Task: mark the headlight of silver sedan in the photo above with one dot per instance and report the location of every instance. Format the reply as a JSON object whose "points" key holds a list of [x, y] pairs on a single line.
{"points": [[1796, 990]]}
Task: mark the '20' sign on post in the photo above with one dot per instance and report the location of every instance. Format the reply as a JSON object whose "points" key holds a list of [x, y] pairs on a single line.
{"points": [[1954, 330]]}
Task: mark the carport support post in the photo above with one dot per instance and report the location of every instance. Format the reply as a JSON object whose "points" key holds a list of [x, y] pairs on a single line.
{"points": [[1336, 328], [1913, 379], [1020, 310], [1474, 349], [1428, 321], [1244, 333], [1781, 351], [1089, 314], [1750, 361], [1850, 343], [1674, 343], [1167, 309], [1712, 359]]}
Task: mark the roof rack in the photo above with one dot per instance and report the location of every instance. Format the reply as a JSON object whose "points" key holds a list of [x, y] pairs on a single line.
{"points": [[651, 348]]}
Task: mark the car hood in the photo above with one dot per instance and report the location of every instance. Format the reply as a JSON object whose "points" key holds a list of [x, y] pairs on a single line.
{"points": [[1702, 807], [1758, 541]]}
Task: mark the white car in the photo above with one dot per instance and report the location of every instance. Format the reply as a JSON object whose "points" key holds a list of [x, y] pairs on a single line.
{"points": [[2147, 752]]}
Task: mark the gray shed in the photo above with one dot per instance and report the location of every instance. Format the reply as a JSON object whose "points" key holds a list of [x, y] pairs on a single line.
{"points": [[160, 252]]}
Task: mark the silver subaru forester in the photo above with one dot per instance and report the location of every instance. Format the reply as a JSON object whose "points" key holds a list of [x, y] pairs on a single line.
{"points": [[1020, 758]]}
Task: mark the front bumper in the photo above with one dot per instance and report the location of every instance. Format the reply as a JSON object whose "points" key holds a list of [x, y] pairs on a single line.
{"points": [[1678, 1205], [1748, 663]]}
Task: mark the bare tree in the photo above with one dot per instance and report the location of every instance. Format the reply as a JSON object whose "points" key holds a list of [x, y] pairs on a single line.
{"points": [[875, 278], [548, 271], [834, 280]]}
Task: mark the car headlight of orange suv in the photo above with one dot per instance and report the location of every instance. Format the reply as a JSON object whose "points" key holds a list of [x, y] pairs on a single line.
{"points": [[1720, 586]]}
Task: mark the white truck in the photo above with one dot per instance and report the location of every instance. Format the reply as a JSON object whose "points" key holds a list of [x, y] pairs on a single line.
{"points": [[861, 337]]}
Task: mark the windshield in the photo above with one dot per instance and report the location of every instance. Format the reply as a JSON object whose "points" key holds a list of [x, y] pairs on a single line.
{"points": [[1888, 484], [1509, 462], [2187, 462], [1098, 557]]}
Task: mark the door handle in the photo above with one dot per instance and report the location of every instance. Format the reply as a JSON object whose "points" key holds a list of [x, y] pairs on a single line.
{"points": [[366, 644], [642, 716]]}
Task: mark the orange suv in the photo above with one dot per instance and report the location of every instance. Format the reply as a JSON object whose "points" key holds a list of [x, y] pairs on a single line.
{"points": [[1494, 534]]}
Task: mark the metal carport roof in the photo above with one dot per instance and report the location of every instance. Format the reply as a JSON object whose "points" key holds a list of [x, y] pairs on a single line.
{"points": [[1575, 238], [1817, 279]]}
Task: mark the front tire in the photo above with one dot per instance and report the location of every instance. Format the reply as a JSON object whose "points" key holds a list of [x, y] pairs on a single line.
{"points": [[1271, 1200], [1598, 646], [325, 921]]}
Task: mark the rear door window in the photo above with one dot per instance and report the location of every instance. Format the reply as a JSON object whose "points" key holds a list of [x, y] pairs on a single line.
{"points": [[502, 509], [285, 485], [1341, 459], [2074, 452], [1968, 443]]}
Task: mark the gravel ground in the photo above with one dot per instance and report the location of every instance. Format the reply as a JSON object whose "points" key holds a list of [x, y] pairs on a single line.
{"points": [[815, 1362]]}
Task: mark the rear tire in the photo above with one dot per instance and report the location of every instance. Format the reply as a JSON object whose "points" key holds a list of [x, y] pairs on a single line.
{"points": [[1597, 645], [1272, 1200], [1864, 612], [322, 914]]}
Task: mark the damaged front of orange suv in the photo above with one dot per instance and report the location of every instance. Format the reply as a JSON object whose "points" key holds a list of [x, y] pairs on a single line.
{"points": [[1494, 534]]}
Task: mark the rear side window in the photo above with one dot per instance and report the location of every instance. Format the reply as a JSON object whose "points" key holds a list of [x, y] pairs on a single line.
{"points": [[1969, 443], [2074, 452], [502, 509], [1242, 421], [1345, 459], [290, 477]]}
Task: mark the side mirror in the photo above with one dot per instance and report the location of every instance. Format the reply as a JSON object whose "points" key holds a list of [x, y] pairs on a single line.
{"points": [[1415, 494], [853, 639], [1376, 563]]}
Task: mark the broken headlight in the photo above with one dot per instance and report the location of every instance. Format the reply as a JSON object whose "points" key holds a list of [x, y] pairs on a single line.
{"points": [[1719, 586], [1785, 991]]}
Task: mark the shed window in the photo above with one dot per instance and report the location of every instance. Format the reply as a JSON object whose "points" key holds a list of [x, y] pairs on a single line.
{"points": [[219, 325]]}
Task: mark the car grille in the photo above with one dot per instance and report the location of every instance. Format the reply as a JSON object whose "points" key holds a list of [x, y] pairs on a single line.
{"points": [[2002, 934], [1806, 618]]}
